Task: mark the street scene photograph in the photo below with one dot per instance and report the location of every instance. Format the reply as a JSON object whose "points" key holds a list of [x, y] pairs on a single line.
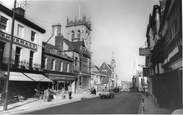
{"points": [[91, 57]]}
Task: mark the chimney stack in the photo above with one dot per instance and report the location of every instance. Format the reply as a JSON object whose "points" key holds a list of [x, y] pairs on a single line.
{"points": [[57, 29], [58, 37], [20, 11]]}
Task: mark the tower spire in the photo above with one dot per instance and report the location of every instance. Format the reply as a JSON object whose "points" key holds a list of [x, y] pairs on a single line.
{"points": [[135, 69], [113, 56]]}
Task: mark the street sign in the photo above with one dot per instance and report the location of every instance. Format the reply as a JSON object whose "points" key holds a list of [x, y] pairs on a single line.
{"points": [[146, 72]]}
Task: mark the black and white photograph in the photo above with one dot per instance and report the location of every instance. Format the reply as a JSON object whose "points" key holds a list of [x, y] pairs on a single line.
{"points": [[91, 57]]}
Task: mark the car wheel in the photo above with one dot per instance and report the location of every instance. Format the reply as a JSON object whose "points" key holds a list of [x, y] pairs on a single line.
{"points": [[101, 97]]}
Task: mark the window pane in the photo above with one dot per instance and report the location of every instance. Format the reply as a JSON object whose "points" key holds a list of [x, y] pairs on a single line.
{"points": [[20, 31], [33, 35], [31, 59], [17, 56], [3, 23]]}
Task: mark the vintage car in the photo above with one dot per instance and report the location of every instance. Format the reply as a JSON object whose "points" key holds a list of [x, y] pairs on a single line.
{"points": [[106, 93]]}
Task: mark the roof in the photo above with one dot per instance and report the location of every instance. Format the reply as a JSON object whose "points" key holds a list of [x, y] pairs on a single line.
{"points": [[109, 66], [68, 43], [21, 19], [50, 46], [96, 67], [77, 44]]}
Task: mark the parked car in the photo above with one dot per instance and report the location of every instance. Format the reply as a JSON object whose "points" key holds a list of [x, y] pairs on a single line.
{"points": [[106, 93]]}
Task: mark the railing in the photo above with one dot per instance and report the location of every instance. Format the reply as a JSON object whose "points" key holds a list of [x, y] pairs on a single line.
{"points": [[21, 64]]}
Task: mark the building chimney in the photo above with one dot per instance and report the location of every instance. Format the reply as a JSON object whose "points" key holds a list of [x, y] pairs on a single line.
{"points": [[58, 37], [57, 29], [20, 11]]}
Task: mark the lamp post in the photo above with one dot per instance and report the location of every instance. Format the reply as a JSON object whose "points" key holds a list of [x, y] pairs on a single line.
{"points": [[10, 53]]}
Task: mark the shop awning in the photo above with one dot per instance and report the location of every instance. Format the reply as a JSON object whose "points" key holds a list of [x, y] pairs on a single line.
{"points": [[38, 77], [18, 76]]}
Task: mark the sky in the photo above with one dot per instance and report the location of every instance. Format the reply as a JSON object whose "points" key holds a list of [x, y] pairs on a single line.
{"points": [[118, 26]]}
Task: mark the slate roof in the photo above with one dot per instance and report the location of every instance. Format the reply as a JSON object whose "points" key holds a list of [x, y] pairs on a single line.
{"points": [[50, 46]]}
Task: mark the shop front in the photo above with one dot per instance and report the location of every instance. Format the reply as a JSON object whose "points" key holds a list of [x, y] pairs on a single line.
{"points": [[83, 82], [61, 81], [24, 83]]}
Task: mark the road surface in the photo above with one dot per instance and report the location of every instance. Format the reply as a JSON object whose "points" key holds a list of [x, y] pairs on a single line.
{"points": [[122, 103]]}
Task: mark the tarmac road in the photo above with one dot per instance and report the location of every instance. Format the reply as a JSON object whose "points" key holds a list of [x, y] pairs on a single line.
{"points": [[123, 103]]}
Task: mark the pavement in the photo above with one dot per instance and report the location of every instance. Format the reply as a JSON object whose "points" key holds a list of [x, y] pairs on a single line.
{"points": [[32, 104], [149, 106]]}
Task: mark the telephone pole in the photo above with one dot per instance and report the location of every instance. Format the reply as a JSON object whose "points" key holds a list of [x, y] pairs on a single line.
{"points": [[10, 53]]}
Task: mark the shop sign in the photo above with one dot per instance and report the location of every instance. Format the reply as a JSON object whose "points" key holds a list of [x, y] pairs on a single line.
{"points": [[18, 41], [144, 51]]}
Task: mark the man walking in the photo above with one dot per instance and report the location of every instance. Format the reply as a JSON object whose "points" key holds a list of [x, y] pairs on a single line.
{"points": [[70, 91]]}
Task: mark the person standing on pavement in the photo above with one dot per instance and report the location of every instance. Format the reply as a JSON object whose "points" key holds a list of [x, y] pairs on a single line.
{"points": [[46, 94], [70, 91], [146, 91]]}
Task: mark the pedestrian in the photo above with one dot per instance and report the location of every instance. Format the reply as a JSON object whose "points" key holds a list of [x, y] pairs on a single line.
{"points": [[46, 94], [146, 90], [70, 91]]}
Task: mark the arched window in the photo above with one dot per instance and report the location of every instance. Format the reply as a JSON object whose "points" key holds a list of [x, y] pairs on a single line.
{"points": [[72, 34], [78, 35]]}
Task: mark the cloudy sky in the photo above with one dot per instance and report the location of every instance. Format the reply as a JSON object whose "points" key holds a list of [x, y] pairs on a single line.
{"points": [[118, 26]]}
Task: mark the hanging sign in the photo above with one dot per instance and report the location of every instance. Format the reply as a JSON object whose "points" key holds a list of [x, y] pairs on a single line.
{"points": [[144, 51]]}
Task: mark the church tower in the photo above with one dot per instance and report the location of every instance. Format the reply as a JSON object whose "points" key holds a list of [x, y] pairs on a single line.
{"points": [[113, 69], [113, 65], [79, 30]]}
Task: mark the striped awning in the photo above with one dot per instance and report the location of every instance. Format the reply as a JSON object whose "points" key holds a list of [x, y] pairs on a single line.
{"points": [[37, 77], [18, 76]]}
